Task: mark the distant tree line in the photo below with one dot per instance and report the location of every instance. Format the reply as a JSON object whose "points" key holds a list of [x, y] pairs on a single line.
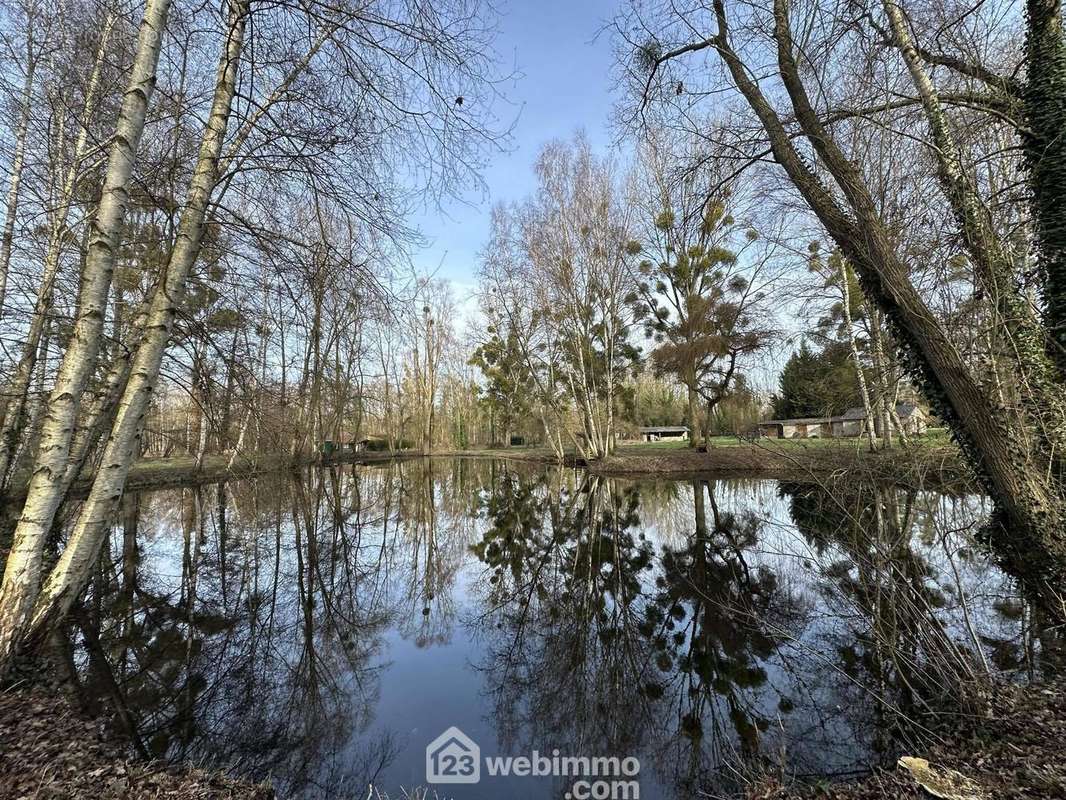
{"points": [[204, 247], [606, 280]]}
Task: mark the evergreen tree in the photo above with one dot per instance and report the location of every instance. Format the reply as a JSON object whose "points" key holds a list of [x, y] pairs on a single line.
{"points": [[816, 384], [508, 385]]}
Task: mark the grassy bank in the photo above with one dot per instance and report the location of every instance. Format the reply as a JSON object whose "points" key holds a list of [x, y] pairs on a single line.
{"points": [[931, 460], [923, 462], [151, 473]]}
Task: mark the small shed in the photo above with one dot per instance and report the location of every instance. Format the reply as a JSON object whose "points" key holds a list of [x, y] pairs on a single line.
{"points": [[850, 424], [803, 428], [854, 423], [657, 433], [915, 421], [370, 442]]}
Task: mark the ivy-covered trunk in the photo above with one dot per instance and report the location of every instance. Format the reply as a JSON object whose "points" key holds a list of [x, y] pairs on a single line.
{"points": [[1008, 456], [1045, 155]]}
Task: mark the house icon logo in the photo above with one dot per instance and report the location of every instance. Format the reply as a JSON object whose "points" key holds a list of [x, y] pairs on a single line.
{"points": [[453, 757]]}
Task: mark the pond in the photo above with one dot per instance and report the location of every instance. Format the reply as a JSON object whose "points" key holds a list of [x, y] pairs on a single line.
{"points": [[319, 630]]}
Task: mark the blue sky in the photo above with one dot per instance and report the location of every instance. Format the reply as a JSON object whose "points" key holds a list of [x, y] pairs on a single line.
{"points": [[564, 85]]}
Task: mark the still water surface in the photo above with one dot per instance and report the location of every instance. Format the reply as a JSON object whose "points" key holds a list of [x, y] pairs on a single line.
{"points": [[319, 630]]}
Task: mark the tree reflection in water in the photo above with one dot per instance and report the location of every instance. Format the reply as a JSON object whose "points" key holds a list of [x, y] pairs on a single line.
{"points": [[713, 629]]}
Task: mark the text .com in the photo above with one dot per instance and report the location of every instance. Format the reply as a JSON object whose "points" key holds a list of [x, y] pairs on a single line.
{"points": [[453, 757]]}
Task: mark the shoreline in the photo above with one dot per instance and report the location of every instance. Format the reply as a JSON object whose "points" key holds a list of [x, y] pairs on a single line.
{"points": [[1009, 748], [937, 466], [933, 466]]}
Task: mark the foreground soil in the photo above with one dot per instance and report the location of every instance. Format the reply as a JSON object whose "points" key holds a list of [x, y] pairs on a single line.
{"points": [[50, 750], [1019, 751]]}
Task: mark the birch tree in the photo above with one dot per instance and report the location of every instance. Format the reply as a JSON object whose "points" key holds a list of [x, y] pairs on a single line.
{"points": [[18, 160], [576, 232], [18, 390], [22, 570], [276, 136], [70, 573]]}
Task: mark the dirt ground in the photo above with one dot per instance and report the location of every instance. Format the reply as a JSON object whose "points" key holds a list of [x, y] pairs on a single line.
{"points": [[50, 750], [1018, 752]]}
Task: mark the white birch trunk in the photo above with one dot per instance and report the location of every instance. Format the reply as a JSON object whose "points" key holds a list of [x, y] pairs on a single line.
{"points": [[887, 399], [72, 570], [17, 390], [22, 573], [850, 328]]}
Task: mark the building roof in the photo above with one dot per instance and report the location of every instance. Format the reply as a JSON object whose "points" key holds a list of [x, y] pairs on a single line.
{"points": [[906, 409], [851, 415], [665, 429], [800, 421], [903, 409]]}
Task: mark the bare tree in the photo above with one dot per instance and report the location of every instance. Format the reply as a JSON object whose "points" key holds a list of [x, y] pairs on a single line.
{"points": [[577, 243], [277, 135], [22, 570], [1014, 446], [18, 160], [18, 390]]}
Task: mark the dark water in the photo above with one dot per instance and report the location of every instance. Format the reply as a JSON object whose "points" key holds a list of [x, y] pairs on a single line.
{"points": [[319, 632]]}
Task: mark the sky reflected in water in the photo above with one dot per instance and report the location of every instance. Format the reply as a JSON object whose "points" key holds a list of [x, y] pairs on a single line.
{"points": [[320, 630]]}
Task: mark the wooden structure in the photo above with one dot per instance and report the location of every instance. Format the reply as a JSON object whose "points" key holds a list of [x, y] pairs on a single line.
{"points": [[658, 433], [852, 423]]}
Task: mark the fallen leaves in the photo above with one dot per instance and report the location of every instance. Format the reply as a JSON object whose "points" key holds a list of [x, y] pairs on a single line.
{"points": [[50, 751]]}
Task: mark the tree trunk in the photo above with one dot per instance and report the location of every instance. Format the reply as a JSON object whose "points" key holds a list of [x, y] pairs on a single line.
{"points": [[68, 577], [859, 374], [16, 392], [887, 380], [1027, 351], [18, 161], [1045, 156], [22, 572], [694, 414], [1031, 517]]}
